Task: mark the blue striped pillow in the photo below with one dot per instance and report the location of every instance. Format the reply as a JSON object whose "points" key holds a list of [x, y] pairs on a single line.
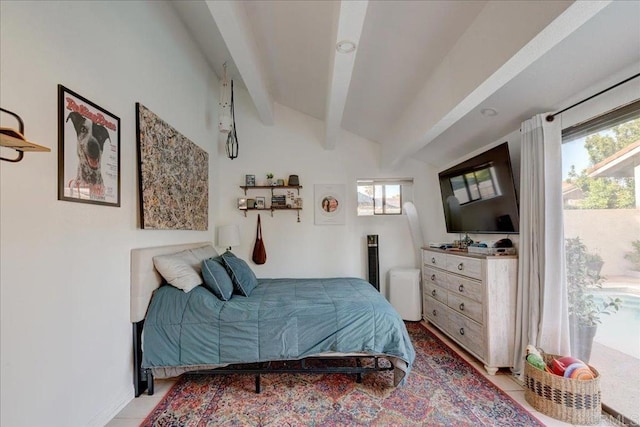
{"points": [[216, 278]]}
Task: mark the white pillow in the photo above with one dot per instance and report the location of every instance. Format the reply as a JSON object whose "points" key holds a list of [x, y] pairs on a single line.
{"points": [[183, 269]]}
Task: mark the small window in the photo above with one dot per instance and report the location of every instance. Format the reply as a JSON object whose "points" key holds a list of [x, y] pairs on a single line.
{"points": [[380, 197]]}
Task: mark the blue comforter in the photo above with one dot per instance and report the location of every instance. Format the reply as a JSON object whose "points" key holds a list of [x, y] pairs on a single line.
{"points": [[282, 319]]}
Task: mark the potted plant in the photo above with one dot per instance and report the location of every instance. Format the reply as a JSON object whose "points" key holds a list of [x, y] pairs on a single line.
{"points": [[594, 264], [583, 278], [634, 258], [269, 178]]}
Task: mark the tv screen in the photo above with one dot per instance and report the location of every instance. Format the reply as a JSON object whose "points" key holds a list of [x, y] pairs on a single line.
{"points": [[478, 195]]}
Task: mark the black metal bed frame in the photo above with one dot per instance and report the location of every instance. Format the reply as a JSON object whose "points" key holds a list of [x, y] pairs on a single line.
{"points": [[143, 378]]}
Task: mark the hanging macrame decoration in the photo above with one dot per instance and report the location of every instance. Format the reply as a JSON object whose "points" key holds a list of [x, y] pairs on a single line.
{"points": [[227, 117], [232, 137]]}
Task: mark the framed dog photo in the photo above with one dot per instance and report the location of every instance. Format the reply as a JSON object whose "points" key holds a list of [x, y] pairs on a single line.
{"points": [[260, 203], [88, 151]]}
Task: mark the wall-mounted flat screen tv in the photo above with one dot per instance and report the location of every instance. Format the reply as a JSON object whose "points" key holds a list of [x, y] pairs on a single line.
{"points": [[478, 195]]}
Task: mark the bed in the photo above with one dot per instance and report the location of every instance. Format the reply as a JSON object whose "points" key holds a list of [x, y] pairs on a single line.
{"points": [[283, 325]]}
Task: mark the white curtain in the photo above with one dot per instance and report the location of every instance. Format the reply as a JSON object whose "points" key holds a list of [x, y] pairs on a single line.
{"points": [[542, 309]]}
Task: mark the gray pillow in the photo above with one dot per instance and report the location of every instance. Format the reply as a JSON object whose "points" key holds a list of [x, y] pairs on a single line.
{"points": [[202, 253], [244, 280], [216, 278]]}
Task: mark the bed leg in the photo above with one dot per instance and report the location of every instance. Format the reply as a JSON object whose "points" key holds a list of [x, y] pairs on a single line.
{"points": [[358, 375], [149, 382], [139, 375], [258, 388]]}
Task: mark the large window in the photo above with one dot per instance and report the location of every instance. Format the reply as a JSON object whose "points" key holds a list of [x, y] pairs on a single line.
{"points": [[601, 169], [381, 197]]}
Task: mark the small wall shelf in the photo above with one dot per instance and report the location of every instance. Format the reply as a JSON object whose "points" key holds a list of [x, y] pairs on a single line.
{"points": [[269, 187], [272, 208], [12, 138]]}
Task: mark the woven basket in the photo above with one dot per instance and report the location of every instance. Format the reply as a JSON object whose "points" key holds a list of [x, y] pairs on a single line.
{"points": [[569, 400]]}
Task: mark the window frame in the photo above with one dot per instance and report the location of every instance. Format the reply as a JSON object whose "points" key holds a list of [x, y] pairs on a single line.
{"points": [[382, 183], [593, 125]]}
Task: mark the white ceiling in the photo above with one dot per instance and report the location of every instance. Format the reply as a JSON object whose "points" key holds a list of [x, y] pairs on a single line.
{"points": [[422, 70]]}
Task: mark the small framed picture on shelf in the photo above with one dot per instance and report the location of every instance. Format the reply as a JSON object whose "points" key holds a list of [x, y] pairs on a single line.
{"points": [[242, 203], [259, 202], [250, 180]]}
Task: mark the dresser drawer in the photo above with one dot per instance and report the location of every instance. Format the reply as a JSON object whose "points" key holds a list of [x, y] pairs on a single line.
{"points": [[466, 331], [466, 287], [465, 306], [434, 291], [436, 277], [434, 259], [471, 267], [471, 298], [436, 312]]}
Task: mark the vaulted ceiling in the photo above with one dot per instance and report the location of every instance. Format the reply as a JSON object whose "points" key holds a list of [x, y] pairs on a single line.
{"points": [[422, 70]]}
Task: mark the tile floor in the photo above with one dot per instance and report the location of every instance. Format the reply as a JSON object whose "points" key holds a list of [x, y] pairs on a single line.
{"points": [[137, 410]]}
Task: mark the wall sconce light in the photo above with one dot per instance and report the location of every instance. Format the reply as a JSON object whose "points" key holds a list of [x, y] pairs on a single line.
{"points": [[228, 236]]}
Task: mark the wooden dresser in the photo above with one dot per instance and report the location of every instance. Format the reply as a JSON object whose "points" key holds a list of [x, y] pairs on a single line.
{"points": [[472, 299]]}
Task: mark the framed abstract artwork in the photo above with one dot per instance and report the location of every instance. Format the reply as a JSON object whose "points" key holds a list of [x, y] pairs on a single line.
{"points": [[173, 176]]}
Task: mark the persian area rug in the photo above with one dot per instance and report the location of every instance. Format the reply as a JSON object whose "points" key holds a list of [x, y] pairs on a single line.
{"points": [[442, 390]]}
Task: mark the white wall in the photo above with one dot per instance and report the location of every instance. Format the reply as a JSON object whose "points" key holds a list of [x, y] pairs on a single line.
{"points": [[294, 146], [64, 272], [66, 336], [611, 240]]}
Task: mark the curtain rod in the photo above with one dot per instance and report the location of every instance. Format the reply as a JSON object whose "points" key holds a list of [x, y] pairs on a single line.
{"points": [[550, 117]]}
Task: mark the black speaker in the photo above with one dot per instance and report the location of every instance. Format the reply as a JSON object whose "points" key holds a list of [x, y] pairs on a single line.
{"points": [[374, 264]]}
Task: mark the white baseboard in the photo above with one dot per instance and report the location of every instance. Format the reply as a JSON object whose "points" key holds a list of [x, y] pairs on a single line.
{"points": [[106, 415]]}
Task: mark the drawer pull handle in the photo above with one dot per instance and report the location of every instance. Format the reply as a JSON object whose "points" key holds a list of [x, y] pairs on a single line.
{"points": [[461, 306], [433, 277], [461, 331], [433, 292], [460, 266], [435, 313], [461, 288], [433, 260]]}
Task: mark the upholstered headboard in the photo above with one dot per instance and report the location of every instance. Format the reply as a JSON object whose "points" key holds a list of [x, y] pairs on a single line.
{"points": [[144, 277]]}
